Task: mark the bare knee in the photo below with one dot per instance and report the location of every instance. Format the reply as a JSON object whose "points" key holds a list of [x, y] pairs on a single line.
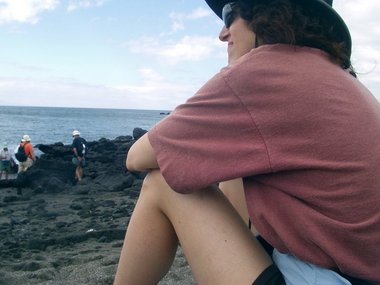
{"points": [[156, 193], [154, 188], [152, 182]]}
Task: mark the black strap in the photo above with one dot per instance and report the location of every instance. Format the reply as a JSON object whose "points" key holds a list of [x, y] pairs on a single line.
{"points": [[268, 248], [270, 276]]}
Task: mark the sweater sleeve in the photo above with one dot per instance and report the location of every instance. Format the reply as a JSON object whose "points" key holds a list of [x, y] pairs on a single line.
{"points": [[210, 138]]}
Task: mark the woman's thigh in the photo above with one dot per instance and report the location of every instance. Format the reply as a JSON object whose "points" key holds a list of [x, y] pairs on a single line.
{"points": [[216, 241]]}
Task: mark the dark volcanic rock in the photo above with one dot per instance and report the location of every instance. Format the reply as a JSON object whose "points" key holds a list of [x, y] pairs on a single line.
{"points": [[45, 210], [138, 133], [54, 171], [56, 231]]}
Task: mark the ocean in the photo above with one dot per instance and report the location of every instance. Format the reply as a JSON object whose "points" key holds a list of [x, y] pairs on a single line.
{"points": [[47, 125]]}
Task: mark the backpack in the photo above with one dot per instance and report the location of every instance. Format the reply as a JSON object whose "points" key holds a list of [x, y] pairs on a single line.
{"points": [[82, 147], [20, 154]]}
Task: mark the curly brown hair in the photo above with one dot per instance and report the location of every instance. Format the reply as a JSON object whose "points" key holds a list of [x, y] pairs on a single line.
{"points": [[286, 21]]}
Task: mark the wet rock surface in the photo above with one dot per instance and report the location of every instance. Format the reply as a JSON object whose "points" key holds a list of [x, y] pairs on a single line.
{"points": [[55, 230]]}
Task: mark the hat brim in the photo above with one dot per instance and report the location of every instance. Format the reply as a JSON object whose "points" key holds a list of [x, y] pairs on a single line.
{"points": [[341, 30]]}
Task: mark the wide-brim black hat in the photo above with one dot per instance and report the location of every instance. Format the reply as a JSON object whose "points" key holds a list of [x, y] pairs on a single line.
{"points": [[321, 7]]}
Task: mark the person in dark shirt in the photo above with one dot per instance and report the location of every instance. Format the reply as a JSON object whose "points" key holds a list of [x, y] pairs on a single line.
{"points": [[79, 151]]}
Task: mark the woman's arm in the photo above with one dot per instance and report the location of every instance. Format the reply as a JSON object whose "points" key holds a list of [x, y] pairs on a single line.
{"points": [[141, 156]]}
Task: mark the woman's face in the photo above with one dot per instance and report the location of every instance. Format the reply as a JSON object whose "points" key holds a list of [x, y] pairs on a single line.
{"points": [[240, 38]]}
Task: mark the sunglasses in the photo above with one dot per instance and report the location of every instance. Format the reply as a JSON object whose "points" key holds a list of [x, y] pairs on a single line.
{"points": [[228, 14]]}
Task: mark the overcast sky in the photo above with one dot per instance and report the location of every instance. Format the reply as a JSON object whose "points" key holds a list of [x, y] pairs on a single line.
{"points": [[133, 54]]}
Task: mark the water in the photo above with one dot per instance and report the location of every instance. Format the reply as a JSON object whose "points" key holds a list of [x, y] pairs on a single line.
{"points": [[47, 125]]}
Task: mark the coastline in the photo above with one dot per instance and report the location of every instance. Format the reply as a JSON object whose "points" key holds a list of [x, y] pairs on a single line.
{"points": [[56, 231]]}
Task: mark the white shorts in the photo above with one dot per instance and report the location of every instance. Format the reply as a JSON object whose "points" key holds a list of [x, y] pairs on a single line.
{"points": [[298, 272]]}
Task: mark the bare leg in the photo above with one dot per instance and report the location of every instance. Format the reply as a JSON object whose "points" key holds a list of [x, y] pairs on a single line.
{"points": [[150, 242], [21, 167], [217, 244], [234, 191], [79, 173]]}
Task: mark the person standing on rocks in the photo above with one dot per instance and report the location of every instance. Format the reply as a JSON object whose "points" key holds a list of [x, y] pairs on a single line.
{"points": [[5, 162], [79, 151], [289, 116], [27, 155]]}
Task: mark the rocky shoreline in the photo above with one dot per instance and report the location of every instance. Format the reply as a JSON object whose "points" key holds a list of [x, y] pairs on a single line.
{"points": [[56, 231]]}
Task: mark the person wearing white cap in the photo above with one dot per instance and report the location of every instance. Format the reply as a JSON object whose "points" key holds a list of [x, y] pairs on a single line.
{"points": [[27, 157], [79, 150], [5, 162], [289, 116]]}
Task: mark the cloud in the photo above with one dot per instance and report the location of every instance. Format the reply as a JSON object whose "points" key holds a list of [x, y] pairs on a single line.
{"points": [[151, 82], [24, 11], [188, 48], [57, 92], [154, 92], [78, 4], [363, 22], [169, 49], [199, 13], [177, 22], [178, 19], [157, 91]]}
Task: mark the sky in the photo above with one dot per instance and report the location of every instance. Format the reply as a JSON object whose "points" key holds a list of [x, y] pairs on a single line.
{"points": [[134, 54]]}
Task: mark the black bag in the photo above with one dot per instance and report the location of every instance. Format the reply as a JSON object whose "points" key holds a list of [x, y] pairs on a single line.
{"points": [[82, 148], [20, 154]]}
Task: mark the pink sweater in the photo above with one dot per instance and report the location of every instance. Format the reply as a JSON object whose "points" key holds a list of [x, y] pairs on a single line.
{"points": [[305, 135]]}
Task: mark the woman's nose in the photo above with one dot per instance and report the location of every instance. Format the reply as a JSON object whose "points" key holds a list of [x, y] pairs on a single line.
{"points": [[224, 33]]}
